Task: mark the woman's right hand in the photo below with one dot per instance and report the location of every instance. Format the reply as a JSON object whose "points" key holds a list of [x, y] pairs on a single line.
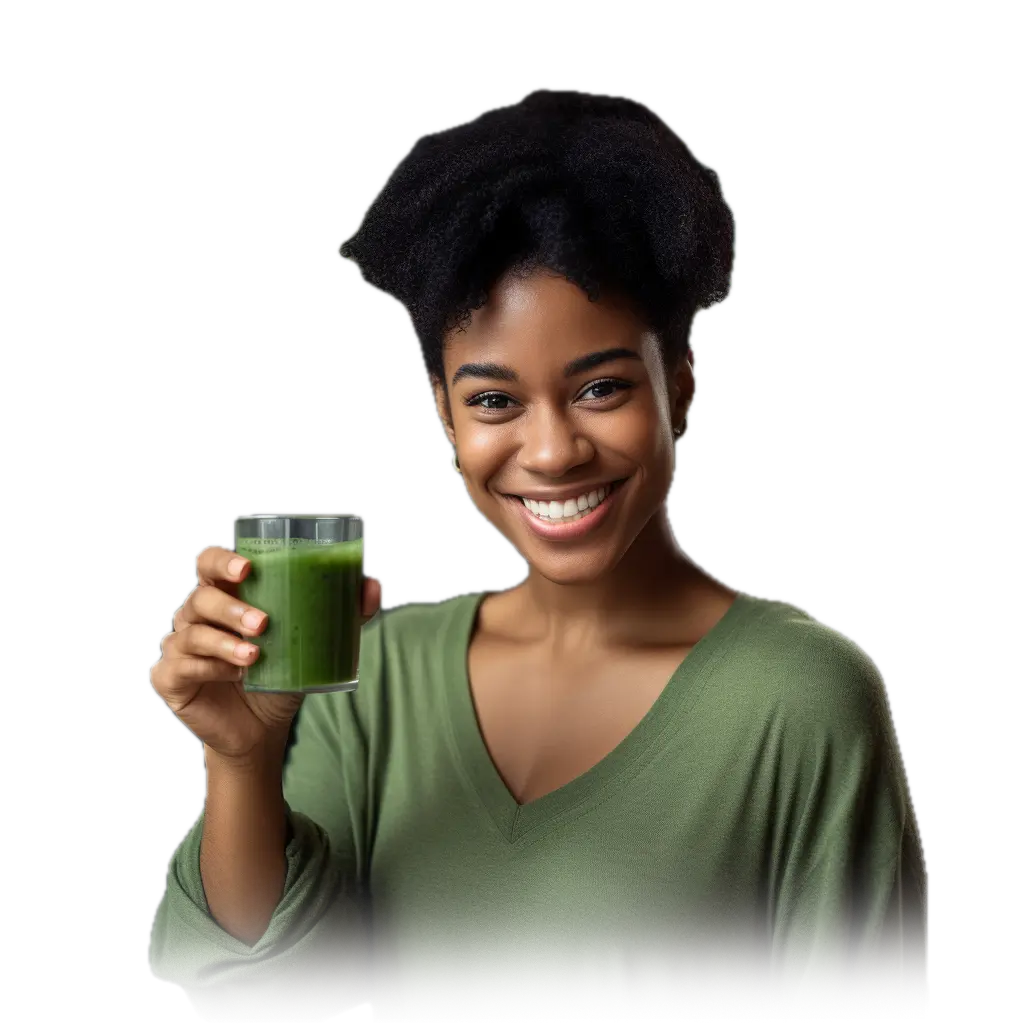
{"points": [[199, 673]]}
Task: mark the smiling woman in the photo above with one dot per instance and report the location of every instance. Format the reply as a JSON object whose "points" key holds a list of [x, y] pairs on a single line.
{"points": [[553, 255], [621, 763]]}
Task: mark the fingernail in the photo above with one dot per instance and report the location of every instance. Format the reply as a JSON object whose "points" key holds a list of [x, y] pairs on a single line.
{"points": [[252, 618], [235, 566]]}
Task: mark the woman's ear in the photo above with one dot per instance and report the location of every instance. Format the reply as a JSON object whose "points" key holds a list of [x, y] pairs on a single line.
{"points": [[685, 385]]}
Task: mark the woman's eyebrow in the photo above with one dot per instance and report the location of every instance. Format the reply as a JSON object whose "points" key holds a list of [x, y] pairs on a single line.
{"points": [[496, 371]]}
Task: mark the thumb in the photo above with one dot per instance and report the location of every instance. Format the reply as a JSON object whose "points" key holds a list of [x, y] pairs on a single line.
{"points": [[373, 597]]}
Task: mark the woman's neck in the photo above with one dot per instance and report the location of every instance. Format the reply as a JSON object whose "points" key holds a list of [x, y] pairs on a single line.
{"points": [[644, 599]]}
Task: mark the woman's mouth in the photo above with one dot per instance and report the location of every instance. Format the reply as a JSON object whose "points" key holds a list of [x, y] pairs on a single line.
{"points": [[566, 520]]}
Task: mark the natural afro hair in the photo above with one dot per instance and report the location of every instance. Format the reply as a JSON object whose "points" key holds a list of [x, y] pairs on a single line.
{"points": [[594, 188]]}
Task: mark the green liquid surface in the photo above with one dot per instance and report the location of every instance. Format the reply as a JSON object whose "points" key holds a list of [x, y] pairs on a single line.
{"points": [[312, 595]]}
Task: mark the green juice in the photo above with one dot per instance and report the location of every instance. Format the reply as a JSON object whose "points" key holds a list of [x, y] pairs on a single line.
{"points": [[312, 595]]}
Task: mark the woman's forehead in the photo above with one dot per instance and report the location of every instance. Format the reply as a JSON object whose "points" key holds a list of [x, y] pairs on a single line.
{"points": [[544, 321]]}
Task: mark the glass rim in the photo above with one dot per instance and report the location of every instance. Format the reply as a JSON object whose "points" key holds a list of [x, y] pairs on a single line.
{"points": [[285, 515]]}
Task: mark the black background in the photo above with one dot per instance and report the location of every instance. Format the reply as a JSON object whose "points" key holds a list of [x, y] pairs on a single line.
{"points": [[798, 480]]}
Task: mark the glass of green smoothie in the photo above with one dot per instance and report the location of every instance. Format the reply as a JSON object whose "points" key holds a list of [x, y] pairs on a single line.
{"points": [[307, 575]]}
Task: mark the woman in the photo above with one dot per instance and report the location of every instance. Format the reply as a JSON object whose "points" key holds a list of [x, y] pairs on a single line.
{"points": [[621, 762]]}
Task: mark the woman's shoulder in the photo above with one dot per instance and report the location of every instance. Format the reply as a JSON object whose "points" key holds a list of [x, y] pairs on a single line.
{"points": [[417, 621], [811, 669]]}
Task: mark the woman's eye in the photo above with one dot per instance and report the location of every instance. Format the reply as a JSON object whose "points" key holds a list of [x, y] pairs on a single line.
{"points": [[496, 401], [605, 384], [482, 400]]}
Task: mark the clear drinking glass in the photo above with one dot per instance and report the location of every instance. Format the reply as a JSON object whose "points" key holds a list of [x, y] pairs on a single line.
{"points": [[307, 575]]}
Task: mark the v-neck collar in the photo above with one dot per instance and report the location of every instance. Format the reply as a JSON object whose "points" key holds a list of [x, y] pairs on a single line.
{"points": [[519, 823]]}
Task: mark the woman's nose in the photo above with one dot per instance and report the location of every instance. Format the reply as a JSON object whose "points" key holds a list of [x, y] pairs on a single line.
{"points": [[551, 444]]}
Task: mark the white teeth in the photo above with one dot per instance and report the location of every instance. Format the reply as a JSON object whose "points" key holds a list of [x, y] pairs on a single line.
{"points": [[573, 508]]}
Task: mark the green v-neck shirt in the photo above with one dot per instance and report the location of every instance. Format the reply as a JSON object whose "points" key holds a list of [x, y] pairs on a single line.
{"points": [[754, 833]]}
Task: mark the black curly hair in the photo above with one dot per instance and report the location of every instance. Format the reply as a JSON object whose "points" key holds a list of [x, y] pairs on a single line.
{"points": [[594, 188]]}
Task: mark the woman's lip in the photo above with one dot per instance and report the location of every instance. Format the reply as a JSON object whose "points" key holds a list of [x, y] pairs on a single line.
{"points": [[613, 485]]}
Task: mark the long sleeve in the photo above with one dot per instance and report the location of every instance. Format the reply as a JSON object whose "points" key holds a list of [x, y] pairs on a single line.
{"points": [[851, 910], [313, 958]]}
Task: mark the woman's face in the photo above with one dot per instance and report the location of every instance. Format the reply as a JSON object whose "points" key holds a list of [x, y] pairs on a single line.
{"points": [[528, 422]]}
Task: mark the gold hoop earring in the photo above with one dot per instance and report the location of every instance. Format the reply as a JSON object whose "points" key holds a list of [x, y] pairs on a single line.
{"points": [[455, 463]]}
